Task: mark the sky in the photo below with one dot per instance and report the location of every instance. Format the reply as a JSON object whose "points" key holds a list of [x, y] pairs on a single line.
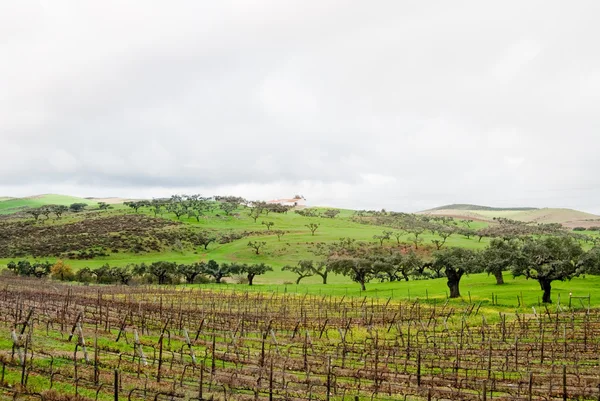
{"points": [[402, 105]]}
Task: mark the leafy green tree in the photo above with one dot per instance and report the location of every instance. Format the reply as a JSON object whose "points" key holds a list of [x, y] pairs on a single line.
{"points": [[303, 269], [77, 207], [35, 213], [416, 232], [122, 274], [104, 274], [25, 268], [256, 209], [136, 205], [221, 271], [360, 270], [191, 271], [228, 207], [177, 208], [203, 238], [397, 235], [549, 259], [162, 270], [456, 262], [444, 233], [251, 271], [500, 255], [321, 269], [331, 213], [103, 206], [84, 275], [59, 210], [46, 210], [384, 236], [590, 261]]}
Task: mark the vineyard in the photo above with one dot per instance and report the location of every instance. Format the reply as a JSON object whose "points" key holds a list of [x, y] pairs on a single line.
{"points": [[166, 343]]}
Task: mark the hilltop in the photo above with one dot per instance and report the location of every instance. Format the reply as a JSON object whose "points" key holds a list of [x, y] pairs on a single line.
{"points": [[10, 205], [466, 206]]}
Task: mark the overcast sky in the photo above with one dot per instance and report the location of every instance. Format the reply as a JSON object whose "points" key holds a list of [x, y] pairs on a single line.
{"points": [[403, 105]]}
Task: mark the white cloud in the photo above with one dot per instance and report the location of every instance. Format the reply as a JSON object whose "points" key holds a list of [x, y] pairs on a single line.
{"points": [[369, 105]]}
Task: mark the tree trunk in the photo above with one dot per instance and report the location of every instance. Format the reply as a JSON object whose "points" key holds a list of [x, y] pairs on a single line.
{"points": [[362, 286], [546, 287], [299, 278], [453, 286], [324, 277], [250, 278], [499, 277]]}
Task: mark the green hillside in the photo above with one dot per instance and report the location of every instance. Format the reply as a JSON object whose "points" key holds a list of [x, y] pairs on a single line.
{"points": [[13, 205]]}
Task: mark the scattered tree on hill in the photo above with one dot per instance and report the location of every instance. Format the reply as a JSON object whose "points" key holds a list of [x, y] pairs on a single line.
{"points": [[256, 245], [103, 206], [331, 213], [303, 269], [254, 270], [416, 232], [77, 207], [466, 232], [203, 238], [279, 233], [36, 213], [255, 211], [46, 210], [456, 262], [467, 222], [398, 235], [157, 206], [384, 236], [444, 233], [177, 209], [312, 227], [59, 210], [228, 207], [549, 259], [268, 224]]}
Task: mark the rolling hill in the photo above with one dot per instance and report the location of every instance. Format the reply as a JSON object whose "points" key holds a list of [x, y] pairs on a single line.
{"points": [[13, 205], [567, 217]]}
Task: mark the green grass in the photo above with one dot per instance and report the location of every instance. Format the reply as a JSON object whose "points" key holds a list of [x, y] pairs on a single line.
{"points": [[13, 205]]}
